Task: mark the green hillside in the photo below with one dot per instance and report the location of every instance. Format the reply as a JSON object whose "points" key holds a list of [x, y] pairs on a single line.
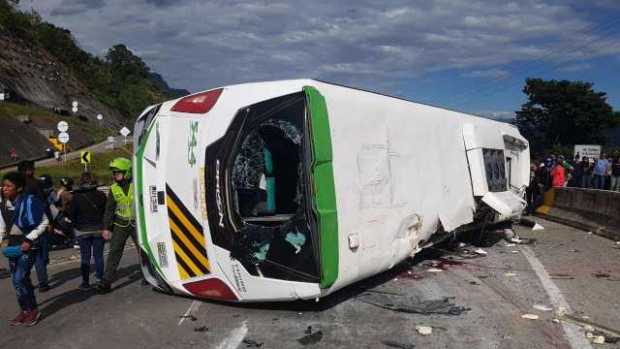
{"points": [[120, 79]]}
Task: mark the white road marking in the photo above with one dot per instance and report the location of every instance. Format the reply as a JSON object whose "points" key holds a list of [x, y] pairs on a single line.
{"points": [[194, 306], [574, 335], [234, 338]]}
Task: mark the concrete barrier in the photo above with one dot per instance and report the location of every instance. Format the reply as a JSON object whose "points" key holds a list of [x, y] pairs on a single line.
{"points": [[593, 210]]}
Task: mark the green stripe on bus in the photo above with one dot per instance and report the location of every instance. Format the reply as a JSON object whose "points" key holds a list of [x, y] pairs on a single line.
{"points": [[140, 198], [323, 186]]}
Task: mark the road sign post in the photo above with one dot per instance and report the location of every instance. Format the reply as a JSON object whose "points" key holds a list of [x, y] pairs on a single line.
{"points": [[100, 118], [63, 138], [125, 132], [86, 158], [62, 126]]}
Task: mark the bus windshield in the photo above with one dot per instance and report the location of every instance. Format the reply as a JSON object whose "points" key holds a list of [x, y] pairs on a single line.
{"points": [[268, 192]]}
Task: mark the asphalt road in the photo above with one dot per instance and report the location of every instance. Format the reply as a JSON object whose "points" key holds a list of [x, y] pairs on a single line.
{"points": [[558, 271]]}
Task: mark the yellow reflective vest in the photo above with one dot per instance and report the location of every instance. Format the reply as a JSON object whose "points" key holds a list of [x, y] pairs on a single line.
{"points": [[124, 202]]}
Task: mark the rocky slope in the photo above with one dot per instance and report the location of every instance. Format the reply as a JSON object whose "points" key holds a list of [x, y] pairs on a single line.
{"points": [[34, 75]]}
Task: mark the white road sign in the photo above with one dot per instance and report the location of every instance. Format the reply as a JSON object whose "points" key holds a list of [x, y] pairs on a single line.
{"points": [[74, 109], [125, 132], [99, 117], [592, 151], [63, 137], [62, 126], [74, 104]]}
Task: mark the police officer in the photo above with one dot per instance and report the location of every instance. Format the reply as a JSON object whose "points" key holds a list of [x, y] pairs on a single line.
{"points": [[119, 219]]}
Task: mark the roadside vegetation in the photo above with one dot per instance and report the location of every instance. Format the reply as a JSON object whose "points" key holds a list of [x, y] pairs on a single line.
{"points": [[120, 79], [560, 113], [43, 118], [99, 166]]}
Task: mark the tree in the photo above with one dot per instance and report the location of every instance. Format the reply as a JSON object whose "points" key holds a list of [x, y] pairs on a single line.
{"points": [[125, 64], [563, 113]]}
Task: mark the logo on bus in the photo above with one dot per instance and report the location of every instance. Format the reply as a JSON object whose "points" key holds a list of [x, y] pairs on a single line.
{"points": [[192, 142], [218, 194]]}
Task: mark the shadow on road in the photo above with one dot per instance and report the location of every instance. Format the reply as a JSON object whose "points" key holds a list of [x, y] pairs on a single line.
{"points": [[4, 273], [74, 296], [59, 278], [449, 246]]}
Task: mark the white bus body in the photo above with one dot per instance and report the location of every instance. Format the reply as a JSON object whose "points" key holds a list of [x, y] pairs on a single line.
{"points": [[293, 189]]}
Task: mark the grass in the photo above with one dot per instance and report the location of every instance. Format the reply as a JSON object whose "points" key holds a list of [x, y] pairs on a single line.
{"points": [[98, 166]]}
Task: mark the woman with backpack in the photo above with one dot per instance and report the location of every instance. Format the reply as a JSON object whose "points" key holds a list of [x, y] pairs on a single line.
{"points": [[86, 211]]}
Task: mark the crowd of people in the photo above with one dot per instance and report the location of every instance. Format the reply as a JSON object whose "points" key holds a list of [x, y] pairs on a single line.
{"points": [[34, 216], [581, 172]]}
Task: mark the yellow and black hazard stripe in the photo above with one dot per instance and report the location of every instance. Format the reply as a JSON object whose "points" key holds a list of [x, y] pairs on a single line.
{"points": [[187, 237]]}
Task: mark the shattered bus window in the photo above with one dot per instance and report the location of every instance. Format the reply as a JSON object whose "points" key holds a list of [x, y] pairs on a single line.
{"points": [[268, 186], [495, 168]]}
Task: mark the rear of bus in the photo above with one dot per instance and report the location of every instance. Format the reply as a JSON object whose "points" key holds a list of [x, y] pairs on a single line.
{"points": [[235, 193]]}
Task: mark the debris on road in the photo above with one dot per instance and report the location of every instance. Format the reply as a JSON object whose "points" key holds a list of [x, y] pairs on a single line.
{"points": [[394, 344], [424, 330], [312, 338], [481, 252], [538, 227], [434, 270], [250, 343], [562, 276], [542, 307], [530, 316], [573, 250], [600, 275], [510, 274], [597, 329], [522, 241], [595, 339], [201, 329], [411, 275], [612, 340], [462, 251], [189, 316], [412, 305]]}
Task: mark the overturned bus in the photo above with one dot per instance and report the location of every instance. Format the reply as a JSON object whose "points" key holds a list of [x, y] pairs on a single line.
{"points": [[293, 189]]}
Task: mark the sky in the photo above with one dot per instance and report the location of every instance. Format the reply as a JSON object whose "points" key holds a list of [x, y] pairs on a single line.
{"points": [[468, 55]]}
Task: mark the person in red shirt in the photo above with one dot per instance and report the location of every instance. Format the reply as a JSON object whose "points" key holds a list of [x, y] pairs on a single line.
{"points": [[558, 175], [13, 154]]}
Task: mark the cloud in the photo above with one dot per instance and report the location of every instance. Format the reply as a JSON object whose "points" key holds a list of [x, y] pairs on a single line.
{"points": [[575, 67], [74, 7], [496, 74], [196, 44]]}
